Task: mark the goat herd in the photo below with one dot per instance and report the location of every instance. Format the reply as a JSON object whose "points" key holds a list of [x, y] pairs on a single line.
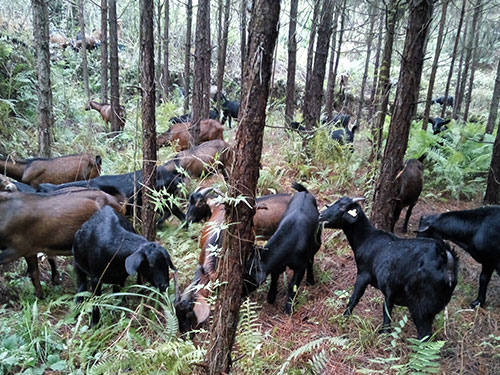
{"points": [[62, 206]]}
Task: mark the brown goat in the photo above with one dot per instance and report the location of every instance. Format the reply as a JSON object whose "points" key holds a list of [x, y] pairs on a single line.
{"points": [[209, 130], [32, 223], [60, 40], [55, 170], [105, 111], [207, 157]]}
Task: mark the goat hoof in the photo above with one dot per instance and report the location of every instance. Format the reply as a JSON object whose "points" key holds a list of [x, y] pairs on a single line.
{"points": [[384, 330], [404, 230], [347, 312], [288, 309], [311, 282], [475, 304]]}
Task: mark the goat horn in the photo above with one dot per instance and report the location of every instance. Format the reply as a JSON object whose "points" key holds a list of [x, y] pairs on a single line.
{"points": [[205, 191], [359, 199]]}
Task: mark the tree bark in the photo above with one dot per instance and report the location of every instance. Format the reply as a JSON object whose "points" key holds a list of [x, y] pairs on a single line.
{"points": [[406, 96], [369, 40], [104, 51], [310, 48], [492, 117], [459, 73], [116, 120], [452, 62], [243, 38], [330, 87], [313, 97], [292, 63], [475, 46], [239, 238], [147, 63], [384, 74], [187, 55], [166, 70], [85, 71], [435, 62], [339, 47], [221, 51], [201, 85], [376, 68], [492, 195], [44, 90], [159, 69]]}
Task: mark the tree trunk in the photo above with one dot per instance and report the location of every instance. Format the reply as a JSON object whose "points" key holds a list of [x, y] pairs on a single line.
{"points": [[85, 71], [243, 38], [339, 48], [452, 63], [369, 40], [376, 68], [313, 97], [492, 117], [239, 237], [104, 51], [459, 73], [221, 51], [435, 62], [384, 74], [330, 87], [409, 81], [159, 69], [492, 195], [201, 85], [475, 46], [187, 56], [166, 71], [116, 120], [310, 48], [292, 63], [44, 88], [147, 63]]}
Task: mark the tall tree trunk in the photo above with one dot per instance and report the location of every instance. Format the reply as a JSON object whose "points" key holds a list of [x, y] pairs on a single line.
{"points": [[221, 51], [339, 46], [243, 38], [409, 81], [239, 237], [313, 97], [201, 85], [116, 120], [492, 117], [459, 73], [310, 48], [475, 46], [187, 56], [452, 62], [104, 51], [147, 54], [435, 62], [330, 87], [292, 63], [159, 69], [384, 73], [376, 67], [492, 195], [44, 90], [166, 70], [85, 71], [369, 40]]}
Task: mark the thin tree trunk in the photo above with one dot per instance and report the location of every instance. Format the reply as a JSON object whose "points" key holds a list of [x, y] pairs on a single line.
{"points": [[492, 195], [475, 46], [330, 87], [310, 48], [435, 62], [221, 57], [243, 38], [376, 67], [159, 70], [464, 72], [452, 63], [339, 46], [492, 117], [116, 120], [104, 51], [44, 90], [187, 56], [409, 81], [85, 71], [201, 85], [239, 237], [459, 74], [369, 40], [147, 61], [166, 70], [292, 63]]}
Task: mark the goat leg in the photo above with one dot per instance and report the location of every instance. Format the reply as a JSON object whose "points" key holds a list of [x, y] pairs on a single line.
{"points": [[34, 273], [96, 289], [271, 295], [386, 312], [55, 278], [404, 228], [297, 277], [484, 279], [81, 277], [310, 273], [359, 289]]}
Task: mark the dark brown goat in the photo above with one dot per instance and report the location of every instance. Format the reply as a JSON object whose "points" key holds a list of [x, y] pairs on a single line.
{"points": [[105, 111], [60, 40], [411, 183], [55, 170], [32, 223], [207, 157], [209, 130]]}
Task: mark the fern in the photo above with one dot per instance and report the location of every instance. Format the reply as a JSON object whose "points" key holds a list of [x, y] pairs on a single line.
{"points": [[424, 358]]}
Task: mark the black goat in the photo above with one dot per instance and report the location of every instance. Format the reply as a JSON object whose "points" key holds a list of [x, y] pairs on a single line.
{"points": [[344, 136], [230, 109], [213, 115], [411, 180], [476, 231], [441, 101], [107, 250], [438, 124], [418, 273], [297, 126], [294, 244]]}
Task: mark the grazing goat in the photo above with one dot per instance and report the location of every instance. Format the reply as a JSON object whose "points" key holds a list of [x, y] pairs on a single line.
{"points": [[340, 119], [55, 170], [107, 250], [213, 115], [60, 40], [418, 273], [105, 111], [438, 124], [476, 231], [230, 109], [411, 181], [32, 223], [209, 130], [293, 245], [441, 100], [207, 157], [343, 136], [90, 42]]}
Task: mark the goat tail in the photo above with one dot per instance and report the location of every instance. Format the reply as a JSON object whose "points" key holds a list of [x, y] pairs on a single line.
{"points": [[299, 187]]}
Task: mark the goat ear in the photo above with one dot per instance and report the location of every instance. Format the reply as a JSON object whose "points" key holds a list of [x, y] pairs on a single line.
{"points": [[354, 128], [422, 158], [423, 228], [98, 160], [351, 215], [201, 309], [446, 121], [133, 262], [431, 121]]}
